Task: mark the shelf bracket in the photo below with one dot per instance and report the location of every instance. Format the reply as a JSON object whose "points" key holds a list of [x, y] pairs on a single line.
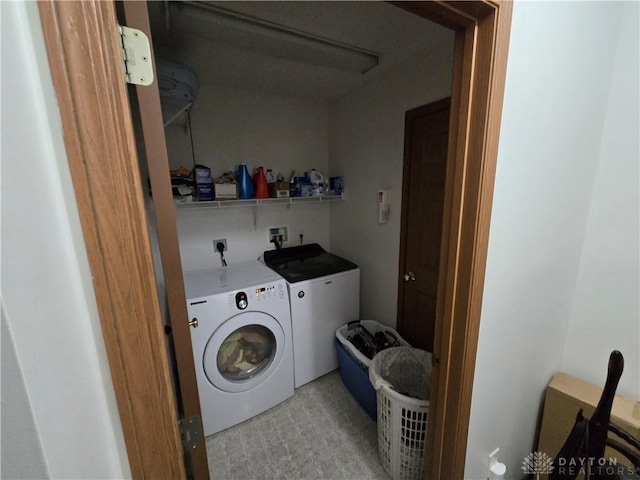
{"points": [[175, 116], [256, 211]]}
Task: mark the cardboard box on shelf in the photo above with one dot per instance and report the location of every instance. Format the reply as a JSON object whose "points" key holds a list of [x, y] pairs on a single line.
{"points": [[565, 396], [201, 174], [226, 191], [204, 191], [278, 189]]}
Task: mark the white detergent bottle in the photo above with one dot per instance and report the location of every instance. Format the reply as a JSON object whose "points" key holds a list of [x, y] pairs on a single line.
{"points": [[317, 181], [270, 176]]}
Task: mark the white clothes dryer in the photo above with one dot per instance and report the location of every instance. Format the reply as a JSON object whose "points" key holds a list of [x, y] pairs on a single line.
{"points": [[242, 344]]}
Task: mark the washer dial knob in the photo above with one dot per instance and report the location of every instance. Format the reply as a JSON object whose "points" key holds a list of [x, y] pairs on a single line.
{"points": [[241, 300]]}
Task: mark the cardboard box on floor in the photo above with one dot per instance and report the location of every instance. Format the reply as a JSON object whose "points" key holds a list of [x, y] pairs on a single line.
{"points": [[565, 396]]}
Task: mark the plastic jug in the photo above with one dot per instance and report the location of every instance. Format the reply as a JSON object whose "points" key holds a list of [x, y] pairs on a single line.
{"points": [[271, 178], [245, 183], [260, 182], [316, 179]]}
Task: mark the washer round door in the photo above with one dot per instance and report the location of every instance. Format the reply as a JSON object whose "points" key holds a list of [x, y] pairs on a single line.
{"points": [[243, 352]]}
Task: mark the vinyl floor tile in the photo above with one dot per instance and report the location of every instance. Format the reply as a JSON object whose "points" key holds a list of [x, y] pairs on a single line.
{"points": [[320, 433]]}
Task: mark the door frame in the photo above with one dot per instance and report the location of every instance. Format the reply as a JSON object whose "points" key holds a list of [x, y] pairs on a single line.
{"points": [[83, 51]]}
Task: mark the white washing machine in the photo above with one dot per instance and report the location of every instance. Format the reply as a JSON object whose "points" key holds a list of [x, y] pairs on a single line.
{"points": [[242, 345], [325, 295]]}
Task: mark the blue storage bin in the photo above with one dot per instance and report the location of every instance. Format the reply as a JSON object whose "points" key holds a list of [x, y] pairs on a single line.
{"points": [[356, 378], [354, 366]]}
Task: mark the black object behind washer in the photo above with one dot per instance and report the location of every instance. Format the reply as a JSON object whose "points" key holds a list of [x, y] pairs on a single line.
{"points": [[305, 262]]}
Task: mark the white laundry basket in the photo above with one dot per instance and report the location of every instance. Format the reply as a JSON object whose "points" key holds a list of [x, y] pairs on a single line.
{"points": [[401, 377]]}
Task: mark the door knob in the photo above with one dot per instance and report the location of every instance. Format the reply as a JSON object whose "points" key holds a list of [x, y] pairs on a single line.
{"points": [[194, 323], [410, 276]]}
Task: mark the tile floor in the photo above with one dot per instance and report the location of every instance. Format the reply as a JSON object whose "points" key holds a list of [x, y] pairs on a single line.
{"points": [[320, 433]]}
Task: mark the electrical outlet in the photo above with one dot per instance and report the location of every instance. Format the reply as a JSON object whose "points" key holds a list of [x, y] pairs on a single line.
{"points": [[216, 242]]}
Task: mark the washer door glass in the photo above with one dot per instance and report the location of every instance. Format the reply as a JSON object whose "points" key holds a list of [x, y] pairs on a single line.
{"points": [[246, 352], [243, 352]]}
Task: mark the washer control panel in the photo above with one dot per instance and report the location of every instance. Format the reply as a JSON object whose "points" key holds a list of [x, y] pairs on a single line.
{"points": [[264, 293]]}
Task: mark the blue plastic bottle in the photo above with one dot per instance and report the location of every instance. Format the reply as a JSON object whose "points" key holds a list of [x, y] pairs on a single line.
{"points": [[245, 182]]}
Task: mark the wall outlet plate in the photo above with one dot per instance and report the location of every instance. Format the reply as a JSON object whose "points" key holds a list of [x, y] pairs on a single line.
{"points": [[220, 240]]}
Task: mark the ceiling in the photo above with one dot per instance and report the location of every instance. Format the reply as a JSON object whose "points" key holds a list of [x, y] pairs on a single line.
{"points": [[395, 35]]}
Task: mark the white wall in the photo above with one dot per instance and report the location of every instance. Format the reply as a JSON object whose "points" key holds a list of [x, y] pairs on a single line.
{"points": [[197, 228], [233, 126], [605, 314], [22, 455], [47, 293], [557, 89], [366, 147]]}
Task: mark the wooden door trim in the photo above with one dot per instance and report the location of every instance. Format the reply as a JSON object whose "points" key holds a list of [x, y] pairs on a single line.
{"points": [[137, 16], [83, 48], [480, 60], [409, 116], [84, 61]]}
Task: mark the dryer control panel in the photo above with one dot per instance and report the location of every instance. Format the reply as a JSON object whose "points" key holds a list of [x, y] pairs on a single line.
{"points": [[258, 295]]}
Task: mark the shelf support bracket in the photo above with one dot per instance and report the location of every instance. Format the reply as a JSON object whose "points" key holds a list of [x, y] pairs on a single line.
{"points": [[256, 211]]}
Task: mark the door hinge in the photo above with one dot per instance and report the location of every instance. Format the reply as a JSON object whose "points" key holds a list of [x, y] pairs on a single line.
{"points": [[136, 56], [190, 432]]}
